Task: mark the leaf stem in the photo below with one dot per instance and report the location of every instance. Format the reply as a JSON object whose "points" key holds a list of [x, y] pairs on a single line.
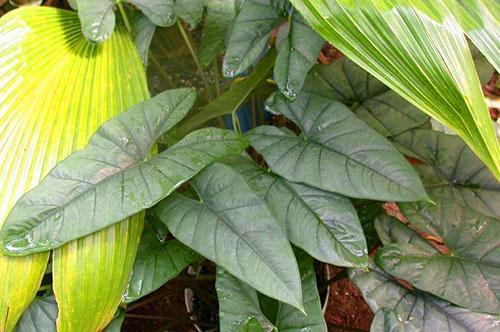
{"points": [[195, 58], [124, 15]]}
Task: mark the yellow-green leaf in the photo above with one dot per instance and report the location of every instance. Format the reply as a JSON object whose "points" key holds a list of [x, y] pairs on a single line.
{"points": [[55, 91], [418, 49]]}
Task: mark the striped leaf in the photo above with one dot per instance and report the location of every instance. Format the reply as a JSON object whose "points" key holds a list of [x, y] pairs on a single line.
{"points": [[418, 49], [52, 99]]}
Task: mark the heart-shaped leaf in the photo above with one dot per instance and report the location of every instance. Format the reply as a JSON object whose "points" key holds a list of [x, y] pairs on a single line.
{"points": [[250, 34], [383, 109], [298, 48], [111, 178], [417, 310], [190, 11], [336, 152], [307, 213], [143, 31], [234, 228], [468, 275], [418, 49], [156, 263], [386, 320], [239, 305]]}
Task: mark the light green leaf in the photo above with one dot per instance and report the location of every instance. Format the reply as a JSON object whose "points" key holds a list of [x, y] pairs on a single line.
{"points": [[417, 49], [40, 316], [160, 12], [452, 170], [111, 179], [289, 318], [220, 15], [417, 310], [307, 213], [386, 320], [479, 20], [190, 11], [233, 227], [97, 18], [336, 152], [239, 308], [383, 109], [143, 31], [468, 276], [156, 263], [250, 34], [298, 48]]}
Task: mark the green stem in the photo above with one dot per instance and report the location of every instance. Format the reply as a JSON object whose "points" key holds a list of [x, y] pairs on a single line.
{"points": [[195, 58], [124, 15]]}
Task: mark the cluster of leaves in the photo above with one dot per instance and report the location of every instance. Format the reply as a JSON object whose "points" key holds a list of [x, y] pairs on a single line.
{"points": [[264, 225]]}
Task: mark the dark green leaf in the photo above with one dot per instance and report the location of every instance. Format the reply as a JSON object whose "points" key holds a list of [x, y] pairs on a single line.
{"points": [[336, 152], [97, 18], [306, 213], [453, 171], [190, 11], [417, 310], [239, 308], [233, 227], [386, 320], [383, 109], [468, 275], [160, 12], [298, 48], [391, 230], [116, 324], [220, 16], [156, 263], [112, 179], [40, 316], [289, 318], [143, 31], [249, 35]]}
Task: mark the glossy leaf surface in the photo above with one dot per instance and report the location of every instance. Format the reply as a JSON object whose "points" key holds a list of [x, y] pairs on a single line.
{"points": [[233, 227], [383, 109], [48, 110], [298, 48], [468, 275], [238, 305], [417, 310], [336, 152], [307, 213], [417, 49], [452, 171], [156, 263], [250, 33]]}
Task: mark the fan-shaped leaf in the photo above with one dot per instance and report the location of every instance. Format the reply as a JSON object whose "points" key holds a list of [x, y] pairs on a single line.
{"points": [[50, 106], [298, 48], [157, 262], [467, 276], [383, 109], [417, 310], [336, 152], [307, 213], [234, 228], [418, 49], [238, 305], [250, 33]]}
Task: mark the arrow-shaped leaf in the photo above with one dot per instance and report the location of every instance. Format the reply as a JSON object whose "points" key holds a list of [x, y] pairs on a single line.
{"points": [[233, 227], [111, 178], [336, 152], [307, 213]]}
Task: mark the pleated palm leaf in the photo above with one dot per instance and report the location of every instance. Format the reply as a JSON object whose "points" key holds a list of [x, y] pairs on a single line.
{"points": [[418, 48], [56, 89]]}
